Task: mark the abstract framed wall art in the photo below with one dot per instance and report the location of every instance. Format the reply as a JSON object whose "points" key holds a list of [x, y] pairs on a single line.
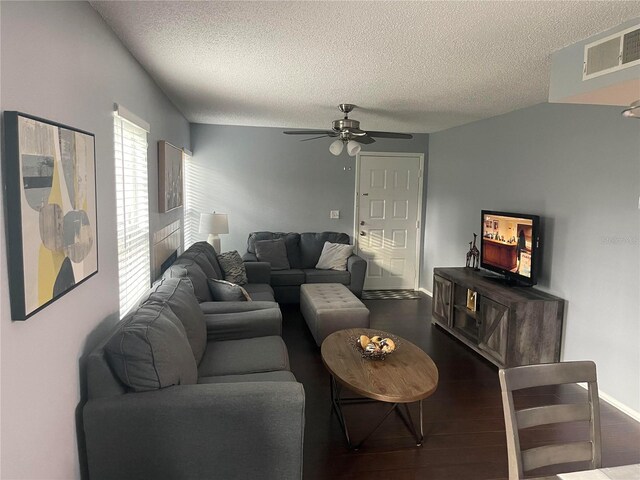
{"points": [[169, 177], [50, 180]]}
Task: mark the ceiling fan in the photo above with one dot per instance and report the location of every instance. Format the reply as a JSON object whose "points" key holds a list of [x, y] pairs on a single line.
{"points": [[347, 131]]}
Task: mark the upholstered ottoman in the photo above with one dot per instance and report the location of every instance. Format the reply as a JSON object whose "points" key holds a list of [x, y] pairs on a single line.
{"points": [[329, 307]]}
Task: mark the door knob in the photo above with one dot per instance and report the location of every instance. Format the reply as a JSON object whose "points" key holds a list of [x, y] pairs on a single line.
{"points": [[362, 234], [362, 222]]}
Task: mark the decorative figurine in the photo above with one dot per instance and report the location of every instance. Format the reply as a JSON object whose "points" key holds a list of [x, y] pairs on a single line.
{"points": [[473, 254]]}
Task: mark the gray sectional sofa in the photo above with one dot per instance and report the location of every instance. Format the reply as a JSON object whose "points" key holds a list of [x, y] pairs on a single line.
{"points": [[185, 387], [303, 251]]}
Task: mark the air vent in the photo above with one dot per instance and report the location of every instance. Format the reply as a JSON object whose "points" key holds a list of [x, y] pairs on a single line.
{"points": [[631, 47], [603, 56], [613, 53]]}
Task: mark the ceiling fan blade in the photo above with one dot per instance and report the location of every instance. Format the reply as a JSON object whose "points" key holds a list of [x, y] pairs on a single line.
{"points": [[315, 138], [405, 136], [366, 140], [308, 132]]}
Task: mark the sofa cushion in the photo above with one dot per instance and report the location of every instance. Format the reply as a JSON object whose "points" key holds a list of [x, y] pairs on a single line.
{"points": [[250, 355], [185, 267], [313, 275], [237, 307], [203, 262], [273, 252], [178, 294], [150, 350], [260, 292], [311, 245], [233, 267], [235, 325], [223, 291], [293, 276], [211, 254], [334, 256], [291, 242], [278, 376]]}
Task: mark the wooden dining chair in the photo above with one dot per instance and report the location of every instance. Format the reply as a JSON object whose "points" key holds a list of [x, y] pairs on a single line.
{"points": [[517, 378]]}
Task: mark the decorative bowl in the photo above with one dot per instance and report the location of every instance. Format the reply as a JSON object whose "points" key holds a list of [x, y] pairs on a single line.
{"points": [[377, 347]]}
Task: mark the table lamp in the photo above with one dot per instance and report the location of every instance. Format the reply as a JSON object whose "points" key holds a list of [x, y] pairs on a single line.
{"points": [[214, 224]]}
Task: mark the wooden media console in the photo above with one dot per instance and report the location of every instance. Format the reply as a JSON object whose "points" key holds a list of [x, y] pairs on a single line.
{"points": [[509, 326]]}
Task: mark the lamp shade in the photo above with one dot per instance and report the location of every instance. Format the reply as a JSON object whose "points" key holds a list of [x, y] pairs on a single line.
{"points": [[213, 223], [353, 148], [336, 147]]}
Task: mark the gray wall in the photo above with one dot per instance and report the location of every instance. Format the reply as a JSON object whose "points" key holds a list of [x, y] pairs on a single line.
{"points": [[266, 180], [61, 62], [579, 168]]}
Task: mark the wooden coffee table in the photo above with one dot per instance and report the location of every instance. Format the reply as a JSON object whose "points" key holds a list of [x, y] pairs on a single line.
{"points": [[407, 375]]}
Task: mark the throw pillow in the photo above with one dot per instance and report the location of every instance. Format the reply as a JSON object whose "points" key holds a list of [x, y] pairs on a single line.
{"points": [[334, 256], [274, 252], [223, 291], [233, 267]]}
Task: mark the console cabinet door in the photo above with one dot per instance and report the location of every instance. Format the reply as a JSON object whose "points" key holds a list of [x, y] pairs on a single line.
{"points": [[494, 330], [442, 301]]}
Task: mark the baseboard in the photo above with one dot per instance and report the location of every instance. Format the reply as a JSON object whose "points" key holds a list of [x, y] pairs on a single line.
{"points": [[616, 404], [424, 290]]}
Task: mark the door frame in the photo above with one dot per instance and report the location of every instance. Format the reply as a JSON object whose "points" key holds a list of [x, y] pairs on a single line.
{"points": [[356, 205]]}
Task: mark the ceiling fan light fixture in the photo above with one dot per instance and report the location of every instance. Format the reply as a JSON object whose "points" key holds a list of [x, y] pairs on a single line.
{"points": [[633, 111], [347, 130], [353, 148], [336, 147]]}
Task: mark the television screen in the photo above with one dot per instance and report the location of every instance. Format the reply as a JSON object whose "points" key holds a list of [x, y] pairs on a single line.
{"points": [[509, 245]]}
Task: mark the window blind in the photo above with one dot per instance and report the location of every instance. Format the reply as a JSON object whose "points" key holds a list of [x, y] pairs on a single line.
{"points": [[190, 223], [132, 198]]}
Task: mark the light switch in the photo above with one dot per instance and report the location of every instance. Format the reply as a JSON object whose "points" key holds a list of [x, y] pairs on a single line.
{"points": [[334, 214]]}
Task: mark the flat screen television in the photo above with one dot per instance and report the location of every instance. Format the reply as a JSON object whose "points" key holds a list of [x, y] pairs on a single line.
{"points": [[511, 245]]}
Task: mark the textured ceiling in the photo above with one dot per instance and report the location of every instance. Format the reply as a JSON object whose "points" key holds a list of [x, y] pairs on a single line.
{"points": [[409, 66]]}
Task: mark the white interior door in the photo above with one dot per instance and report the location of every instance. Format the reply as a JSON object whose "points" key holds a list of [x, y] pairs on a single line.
{"points": [[388, 213]]}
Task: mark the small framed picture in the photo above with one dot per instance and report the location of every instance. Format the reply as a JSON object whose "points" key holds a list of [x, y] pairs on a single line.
{"points": [[472, 298], [169, 177]]}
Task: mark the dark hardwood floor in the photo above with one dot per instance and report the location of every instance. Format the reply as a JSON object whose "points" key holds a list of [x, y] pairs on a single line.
{"points": [[463, 420]]}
